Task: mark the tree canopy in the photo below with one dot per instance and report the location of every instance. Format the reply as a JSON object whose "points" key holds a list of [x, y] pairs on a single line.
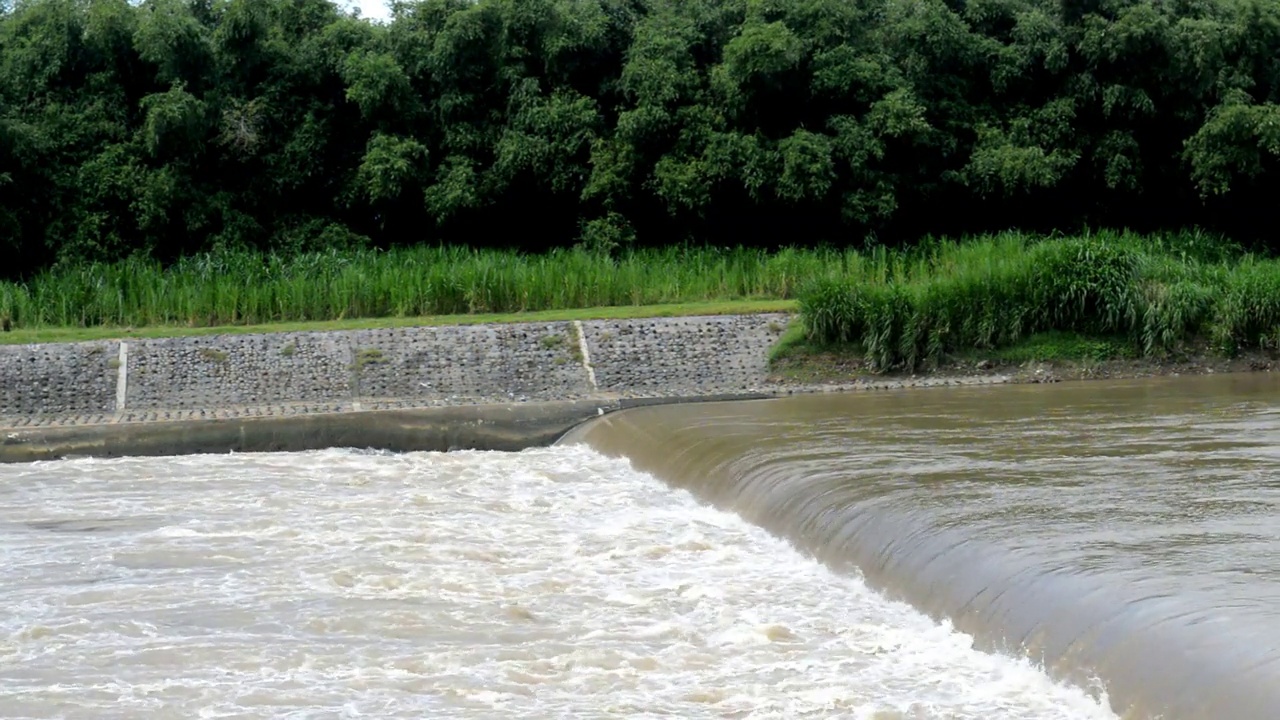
{"points": [[169, 127]]}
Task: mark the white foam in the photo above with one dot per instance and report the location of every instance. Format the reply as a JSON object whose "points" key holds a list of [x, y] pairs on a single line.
{"points": [[549, 583]]}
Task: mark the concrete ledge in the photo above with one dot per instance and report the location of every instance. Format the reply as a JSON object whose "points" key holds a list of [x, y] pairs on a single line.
{"points": [[508, 427], [492, 387], [479, 427]]}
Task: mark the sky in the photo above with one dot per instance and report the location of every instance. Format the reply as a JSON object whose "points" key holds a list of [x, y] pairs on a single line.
{"points": [[373, 9]]}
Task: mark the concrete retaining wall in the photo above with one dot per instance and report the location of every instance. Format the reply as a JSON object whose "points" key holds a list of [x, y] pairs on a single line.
{"points": [[243, 377], [426, 366], [44, 380], [692, 356], [231, 370]]}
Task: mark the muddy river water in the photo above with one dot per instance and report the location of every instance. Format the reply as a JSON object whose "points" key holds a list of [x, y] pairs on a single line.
{"points": [[1076, 551]]}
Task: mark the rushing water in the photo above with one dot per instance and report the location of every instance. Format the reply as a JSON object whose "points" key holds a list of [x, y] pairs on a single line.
{"points": [[1128, 532], [1119, 535], [553, 583]]}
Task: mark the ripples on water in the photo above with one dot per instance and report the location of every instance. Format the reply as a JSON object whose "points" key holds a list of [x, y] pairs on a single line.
{"points": [[1127, 532], [552, 583]]}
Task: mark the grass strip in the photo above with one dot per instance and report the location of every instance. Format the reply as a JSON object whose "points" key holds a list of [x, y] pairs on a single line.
{"points": [[241, 288], [734, 307]]}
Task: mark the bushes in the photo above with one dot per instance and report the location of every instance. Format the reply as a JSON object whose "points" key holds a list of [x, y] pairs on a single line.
{"points": [[992, 292], [1084, 285], [1247, 312]]}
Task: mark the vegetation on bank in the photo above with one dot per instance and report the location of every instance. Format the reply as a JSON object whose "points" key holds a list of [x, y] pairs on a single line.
{"points": [[229, 289], [1100, 297], [1009, 298], [172, 127], [1003, 297], [615, 312]]}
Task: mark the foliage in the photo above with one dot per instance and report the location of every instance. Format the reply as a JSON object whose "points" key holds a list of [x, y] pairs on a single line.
{"points": [[909, 309], [241, 287], [163, 128]]}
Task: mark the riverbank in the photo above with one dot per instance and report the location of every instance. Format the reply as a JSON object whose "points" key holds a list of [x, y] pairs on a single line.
{"points": [[496, 387], [299, 390], [850, 372], [1042, 358]]}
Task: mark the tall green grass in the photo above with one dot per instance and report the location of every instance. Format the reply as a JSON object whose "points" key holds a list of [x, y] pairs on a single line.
{"points": [[905, 308], [249, 288], [909, 309]]}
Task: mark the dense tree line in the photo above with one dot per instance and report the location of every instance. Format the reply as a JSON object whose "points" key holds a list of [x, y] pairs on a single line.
{"points": [[173, 126]]}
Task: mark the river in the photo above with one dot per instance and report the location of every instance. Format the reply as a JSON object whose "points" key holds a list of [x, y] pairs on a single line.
{"points": [[1076, 551]]}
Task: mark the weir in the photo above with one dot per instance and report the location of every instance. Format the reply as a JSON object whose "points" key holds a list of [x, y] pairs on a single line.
{"points": [[1119, 535], [484, 387], [474, 387]]}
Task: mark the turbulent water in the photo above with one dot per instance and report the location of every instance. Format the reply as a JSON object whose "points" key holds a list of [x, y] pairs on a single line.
{"points": [[1047, 553], [552, 583], [1121, 532]]}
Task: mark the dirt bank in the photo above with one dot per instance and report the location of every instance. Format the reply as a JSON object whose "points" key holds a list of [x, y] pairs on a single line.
{"points": [[842, 371]]}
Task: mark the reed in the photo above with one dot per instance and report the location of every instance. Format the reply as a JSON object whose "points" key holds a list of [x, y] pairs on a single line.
{"points": [[239, 288], [905, 308], [1159, 293]]}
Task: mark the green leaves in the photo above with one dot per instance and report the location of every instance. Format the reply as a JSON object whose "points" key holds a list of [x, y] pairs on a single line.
{"points": [[1001, 165], [762, 53], [549, 138], [391, 164], [627, 121], [173, 41], [1238, 141], [1033, 152], [175, 122], [378, 86], [808, 170], [457, 188]]}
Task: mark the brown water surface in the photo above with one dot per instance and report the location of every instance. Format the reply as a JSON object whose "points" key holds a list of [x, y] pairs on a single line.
{"points": [[1122, 534]]}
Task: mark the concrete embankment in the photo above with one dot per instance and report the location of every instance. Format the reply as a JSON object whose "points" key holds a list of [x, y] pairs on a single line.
{"points": [[428, 388]]}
